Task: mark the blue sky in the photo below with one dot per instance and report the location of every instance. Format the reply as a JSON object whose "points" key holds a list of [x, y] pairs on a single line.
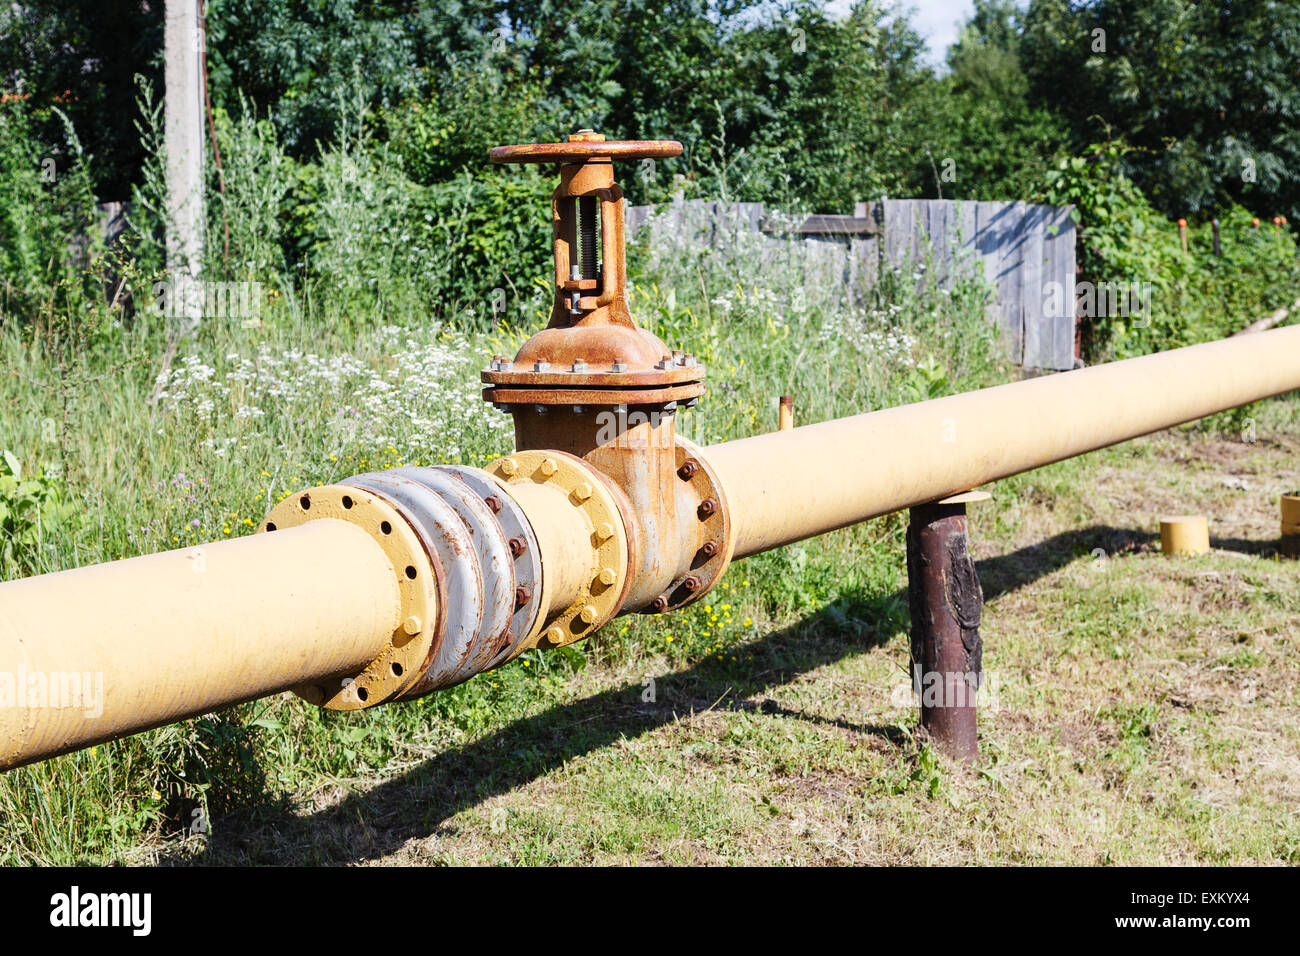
{"points": [[936, 20]]}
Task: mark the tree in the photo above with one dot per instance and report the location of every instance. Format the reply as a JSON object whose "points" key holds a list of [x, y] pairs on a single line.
{"points": [[1208, 92], [81, 56], [985, 139]]}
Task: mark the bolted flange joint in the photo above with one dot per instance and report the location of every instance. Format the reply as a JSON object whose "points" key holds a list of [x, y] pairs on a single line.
{"points": [[587, 559], [419, 579], [707, 540], [467, 567]]}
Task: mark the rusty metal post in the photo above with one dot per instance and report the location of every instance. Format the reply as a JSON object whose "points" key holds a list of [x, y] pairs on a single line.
{"points": [[945, 601]]}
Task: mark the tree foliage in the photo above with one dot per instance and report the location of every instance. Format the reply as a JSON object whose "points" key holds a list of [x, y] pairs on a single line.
{"points": [[81, 56], [1207, 92]]}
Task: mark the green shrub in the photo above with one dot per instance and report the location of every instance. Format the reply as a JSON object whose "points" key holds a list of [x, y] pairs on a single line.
{"points": [[1194, 296], [47, 215], [28, 507], [472, 107]]}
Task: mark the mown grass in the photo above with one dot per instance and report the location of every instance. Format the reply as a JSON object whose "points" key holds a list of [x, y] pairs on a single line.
{"points": [[1145, 709], [766, 723]]}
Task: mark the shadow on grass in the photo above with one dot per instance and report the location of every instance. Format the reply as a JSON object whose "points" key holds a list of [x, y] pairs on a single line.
{"points": [[1009, 572], [416, 804]]}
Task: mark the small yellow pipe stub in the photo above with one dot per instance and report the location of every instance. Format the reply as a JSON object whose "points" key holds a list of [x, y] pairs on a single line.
{"points": [[1289, 546], [1185, 534], [785, 415], [1291, 513]]}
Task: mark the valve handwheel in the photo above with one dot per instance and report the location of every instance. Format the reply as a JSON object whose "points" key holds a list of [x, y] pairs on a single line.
{"points": [[592, 354], [586, 146]]}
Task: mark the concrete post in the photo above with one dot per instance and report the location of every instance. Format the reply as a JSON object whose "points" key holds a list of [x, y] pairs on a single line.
{"points": [[183, 129]]}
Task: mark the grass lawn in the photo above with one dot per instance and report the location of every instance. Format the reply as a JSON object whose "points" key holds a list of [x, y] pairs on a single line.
{"points": [[1146, 712], [1143, 709]]}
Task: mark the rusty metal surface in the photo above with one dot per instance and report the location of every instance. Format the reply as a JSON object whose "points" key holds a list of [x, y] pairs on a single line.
{"points": [[637, 455], [525, 556], [599, 362], [706, 541], [454, 545], [599, 342], [945, 601], [591, 352], [582, 152], [500, 395]]}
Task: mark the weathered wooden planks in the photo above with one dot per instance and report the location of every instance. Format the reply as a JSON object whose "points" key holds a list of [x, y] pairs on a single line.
{"points": [[1026, 252]]}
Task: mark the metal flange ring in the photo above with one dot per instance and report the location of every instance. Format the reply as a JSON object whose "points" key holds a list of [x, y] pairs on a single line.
{"points": [[449, 537], [523, 549], [700, 499], [419, 588], [575, 484], [495, 565]]}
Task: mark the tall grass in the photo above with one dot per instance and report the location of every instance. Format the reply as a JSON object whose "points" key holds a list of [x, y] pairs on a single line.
{"points": [[247, 415], [381, 300]]}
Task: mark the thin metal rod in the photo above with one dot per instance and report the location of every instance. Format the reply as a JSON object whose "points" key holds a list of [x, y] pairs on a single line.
{"points": [[587, 226]]}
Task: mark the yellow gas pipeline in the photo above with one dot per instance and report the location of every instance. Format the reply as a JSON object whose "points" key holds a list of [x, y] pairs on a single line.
{"points": [[394, 584]]}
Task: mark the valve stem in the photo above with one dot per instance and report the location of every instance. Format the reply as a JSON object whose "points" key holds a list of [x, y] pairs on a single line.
{"points": [[587, 228]]}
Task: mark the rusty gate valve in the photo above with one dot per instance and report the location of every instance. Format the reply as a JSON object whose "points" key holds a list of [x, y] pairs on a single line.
{"points": [[592, 352]]}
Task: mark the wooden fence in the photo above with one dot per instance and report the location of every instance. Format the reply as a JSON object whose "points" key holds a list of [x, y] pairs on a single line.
{"points": [[1026, 253]]}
